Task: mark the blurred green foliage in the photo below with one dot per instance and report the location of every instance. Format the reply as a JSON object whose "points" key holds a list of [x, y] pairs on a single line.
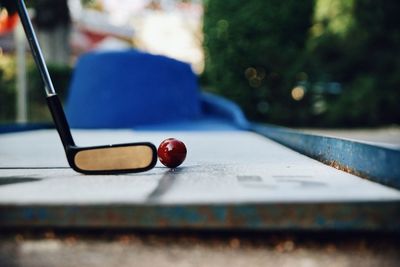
{"points": [[7, 89], [254, 50], [37, 107], [358, 45], [306, 63]]}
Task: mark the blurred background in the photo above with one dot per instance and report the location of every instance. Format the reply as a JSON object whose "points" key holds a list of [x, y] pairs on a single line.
{"points": [[310, 63]]}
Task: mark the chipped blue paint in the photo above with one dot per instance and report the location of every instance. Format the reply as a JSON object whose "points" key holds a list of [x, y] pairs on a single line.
{"points": [[219, 213], [272, 216], [39, 214]]}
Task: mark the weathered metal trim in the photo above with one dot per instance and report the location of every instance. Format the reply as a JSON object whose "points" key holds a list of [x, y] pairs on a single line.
{"points": [[369, 216], [376, 163]]}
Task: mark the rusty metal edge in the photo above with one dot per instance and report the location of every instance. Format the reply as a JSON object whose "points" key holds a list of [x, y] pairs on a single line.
{"points": [[370, 216], [375, 163]]}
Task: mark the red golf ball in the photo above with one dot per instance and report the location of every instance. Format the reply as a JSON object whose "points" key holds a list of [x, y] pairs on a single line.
{"points": [[171, 152]]}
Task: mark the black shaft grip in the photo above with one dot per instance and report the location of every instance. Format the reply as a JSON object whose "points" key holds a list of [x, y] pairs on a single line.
{"points": [[60, 121]]}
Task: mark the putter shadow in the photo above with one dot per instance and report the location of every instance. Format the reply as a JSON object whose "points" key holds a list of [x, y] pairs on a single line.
{"points": [[16, 180], [164, 184]]}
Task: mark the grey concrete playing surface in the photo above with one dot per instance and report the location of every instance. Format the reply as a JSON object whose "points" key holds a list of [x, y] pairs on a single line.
{"points": [[221, 167]]}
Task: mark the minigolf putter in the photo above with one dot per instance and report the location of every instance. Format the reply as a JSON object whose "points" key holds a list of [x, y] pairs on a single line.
{"points": [[107, 159]]}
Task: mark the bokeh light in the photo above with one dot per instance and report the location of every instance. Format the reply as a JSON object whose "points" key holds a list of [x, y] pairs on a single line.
{"points": [[298, 93]]}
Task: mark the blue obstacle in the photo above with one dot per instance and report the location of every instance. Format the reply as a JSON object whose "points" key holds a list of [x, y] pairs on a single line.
{"points": [[132, 89]]}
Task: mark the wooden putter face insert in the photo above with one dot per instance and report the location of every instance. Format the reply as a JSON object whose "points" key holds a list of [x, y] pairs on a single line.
{"points": [[114, 158]]}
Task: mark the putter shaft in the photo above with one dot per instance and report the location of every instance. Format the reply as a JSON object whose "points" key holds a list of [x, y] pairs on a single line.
{"points": [[35, 47]]}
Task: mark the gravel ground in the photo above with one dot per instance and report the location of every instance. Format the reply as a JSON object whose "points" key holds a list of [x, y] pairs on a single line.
{"points": [[199, 249]]}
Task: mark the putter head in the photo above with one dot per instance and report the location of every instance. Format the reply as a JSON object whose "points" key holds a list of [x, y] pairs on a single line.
{"points": [[112, 159]]}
